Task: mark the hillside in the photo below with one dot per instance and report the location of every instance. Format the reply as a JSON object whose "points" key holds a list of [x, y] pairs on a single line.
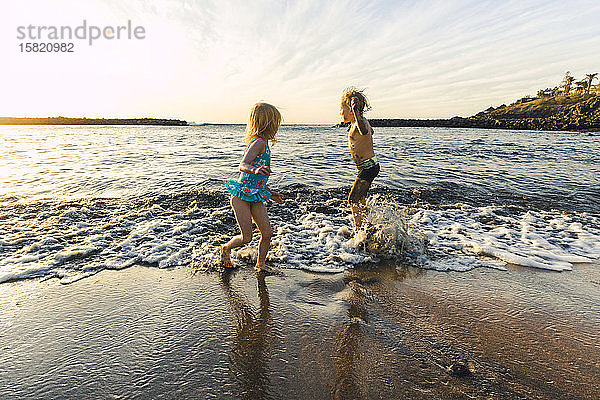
{"points": [[571, 106], [576, 112], [561, 113]]}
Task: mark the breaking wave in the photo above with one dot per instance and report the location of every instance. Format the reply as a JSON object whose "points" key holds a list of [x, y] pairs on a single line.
{"points": [[69, 240]]}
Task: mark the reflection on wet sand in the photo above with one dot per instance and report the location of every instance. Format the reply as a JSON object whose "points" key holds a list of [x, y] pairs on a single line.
{"points": [[250, 350], [349, 384], [345, 386]]}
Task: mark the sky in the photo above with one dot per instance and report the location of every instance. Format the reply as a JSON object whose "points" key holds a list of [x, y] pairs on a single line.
{"points": [[209, 61]]}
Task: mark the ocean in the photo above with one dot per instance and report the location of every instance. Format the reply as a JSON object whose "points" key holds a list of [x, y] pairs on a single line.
{"points": [[75, 200]]}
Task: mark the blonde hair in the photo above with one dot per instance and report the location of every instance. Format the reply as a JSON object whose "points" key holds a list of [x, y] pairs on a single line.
{"points": [[263, 122], [363, 102]]}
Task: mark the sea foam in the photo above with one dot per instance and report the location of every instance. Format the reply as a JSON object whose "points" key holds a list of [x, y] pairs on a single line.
{"points": [[73, 240]]}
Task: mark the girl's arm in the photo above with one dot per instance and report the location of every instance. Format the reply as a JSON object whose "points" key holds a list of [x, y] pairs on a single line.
{"points": [[256, 148], [275, 196]]}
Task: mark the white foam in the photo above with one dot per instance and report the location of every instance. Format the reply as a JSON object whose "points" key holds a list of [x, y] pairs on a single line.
{"points": [[317, 243], [545, 240], [77, 242], [154, 237]]}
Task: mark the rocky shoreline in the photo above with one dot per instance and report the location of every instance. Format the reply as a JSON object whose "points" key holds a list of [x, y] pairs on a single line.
{"points": [[578, 113], [90, 121], [538, 124]]}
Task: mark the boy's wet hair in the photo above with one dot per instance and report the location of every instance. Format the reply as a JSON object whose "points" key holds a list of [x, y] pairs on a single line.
{"points": [[363, 102], [263, 121]]}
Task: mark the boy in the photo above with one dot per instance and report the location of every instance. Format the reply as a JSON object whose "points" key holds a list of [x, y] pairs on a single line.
{"points": [[360, 143]]}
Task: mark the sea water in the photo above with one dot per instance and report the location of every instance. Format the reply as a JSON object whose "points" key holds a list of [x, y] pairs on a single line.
{"points": [[75, 200]]}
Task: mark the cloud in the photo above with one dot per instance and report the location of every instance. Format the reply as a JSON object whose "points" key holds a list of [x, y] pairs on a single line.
{"points": [[210, 60]]}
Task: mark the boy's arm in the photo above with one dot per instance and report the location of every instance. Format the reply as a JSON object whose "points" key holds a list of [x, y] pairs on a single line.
{"points": [[360, 120]]}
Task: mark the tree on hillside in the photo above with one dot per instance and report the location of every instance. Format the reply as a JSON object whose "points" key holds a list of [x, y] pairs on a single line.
{"points": [[590, 78], [567, 82], [548, 92], [580, 86]]}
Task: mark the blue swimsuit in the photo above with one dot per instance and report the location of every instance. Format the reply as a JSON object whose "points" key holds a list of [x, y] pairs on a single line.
{"points": [[252, 187]]}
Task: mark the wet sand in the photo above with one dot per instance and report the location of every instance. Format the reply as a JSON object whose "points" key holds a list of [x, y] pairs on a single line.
{"points": [[384, 333]]}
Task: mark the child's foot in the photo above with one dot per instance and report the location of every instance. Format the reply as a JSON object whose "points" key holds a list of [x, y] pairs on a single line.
{"points": [[225, 258], [267, 270]]}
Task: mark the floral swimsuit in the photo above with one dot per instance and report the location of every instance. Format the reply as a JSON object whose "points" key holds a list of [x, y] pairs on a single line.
{"points": [[252, 187]]}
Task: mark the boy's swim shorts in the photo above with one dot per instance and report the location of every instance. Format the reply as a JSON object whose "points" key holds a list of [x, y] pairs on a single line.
{"points": [[363, 183]]}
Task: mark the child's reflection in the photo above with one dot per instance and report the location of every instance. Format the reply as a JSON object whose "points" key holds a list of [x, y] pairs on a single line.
{"points": [[345, 385], [351, 340], [249, 353]]}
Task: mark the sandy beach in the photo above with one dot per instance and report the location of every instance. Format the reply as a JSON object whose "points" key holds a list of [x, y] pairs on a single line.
{"points": [[386, 333]]}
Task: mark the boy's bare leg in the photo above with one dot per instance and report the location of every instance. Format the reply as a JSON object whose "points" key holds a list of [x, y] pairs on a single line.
{"points": [[261, 218], [241, 209], [357, 201], [359, 211]]}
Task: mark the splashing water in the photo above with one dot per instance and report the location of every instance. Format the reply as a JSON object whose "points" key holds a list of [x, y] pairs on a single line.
{"points": [[389, 233], [323, 242]]}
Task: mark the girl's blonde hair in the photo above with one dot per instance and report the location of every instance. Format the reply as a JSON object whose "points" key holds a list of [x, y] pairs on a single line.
{"points": [[263, 121]]}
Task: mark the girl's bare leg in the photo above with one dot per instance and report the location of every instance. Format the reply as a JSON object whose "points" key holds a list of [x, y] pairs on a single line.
{"points": [[261, 218], [241, 209]]}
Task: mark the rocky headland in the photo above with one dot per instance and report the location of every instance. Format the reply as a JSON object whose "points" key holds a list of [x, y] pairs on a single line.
{"points": [[576, 113], [571, 106]]}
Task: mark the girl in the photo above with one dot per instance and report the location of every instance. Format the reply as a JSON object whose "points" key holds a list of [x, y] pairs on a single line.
{"points": [[251, 190]]}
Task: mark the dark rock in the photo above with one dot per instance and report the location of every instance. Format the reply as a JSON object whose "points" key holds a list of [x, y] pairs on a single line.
{"points": [[461, 368]]}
